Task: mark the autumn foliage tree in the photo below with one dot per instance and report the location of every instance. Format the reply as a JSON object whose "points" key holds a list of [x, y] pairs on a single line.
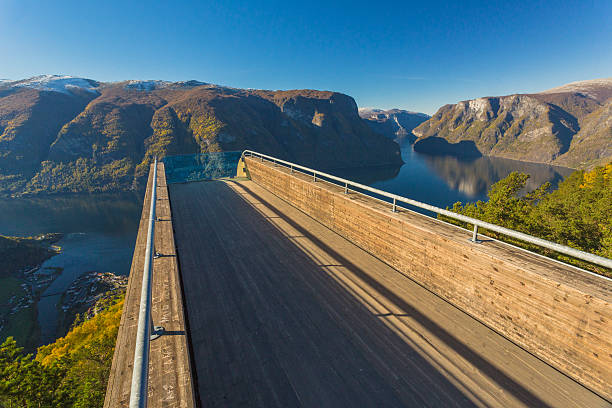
{"points": [[578, 214], [71, 372]]}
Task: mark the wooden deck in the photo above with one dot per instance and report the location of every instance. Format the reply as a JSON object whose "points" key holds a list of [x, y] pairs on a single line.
{"points": [[170, 382], [561, 314], [284, 312]]}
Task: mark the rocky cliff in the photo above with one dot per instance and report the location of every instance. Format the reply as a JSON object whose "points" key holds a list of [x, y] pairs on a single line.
{"points": [[64, 134], [396, 124], [569, 126]]}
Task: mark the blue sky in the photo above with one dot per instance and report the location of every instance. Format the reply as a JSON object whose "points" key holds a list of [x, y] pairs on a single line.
{"points": [[411, 55]]}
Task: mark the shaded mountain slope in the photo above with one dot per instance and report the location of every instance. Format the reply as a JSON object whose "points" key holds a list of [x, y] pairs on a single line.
{"points": [[63, 134], [567, 126], [29, 123], [591, 146]]}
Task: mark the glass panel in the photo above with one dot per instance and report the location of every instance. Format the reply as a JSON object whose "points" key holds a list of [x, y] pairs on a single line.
{"points": [[201, 166]]}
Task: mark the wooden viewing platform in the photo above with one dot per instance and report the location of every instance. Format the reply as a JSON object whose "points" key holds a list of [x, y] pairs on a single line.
{"points": [[284, 312], [276, 309]]}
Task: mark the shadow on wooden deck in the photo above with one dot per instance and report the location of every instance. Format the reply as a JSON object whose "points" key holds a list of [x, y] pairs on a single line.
{"points": [[270, 326]]}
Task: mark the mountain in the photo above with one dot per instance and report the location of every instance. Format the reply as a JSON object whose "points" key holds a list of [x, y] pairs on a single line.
{"points": [[66, 134], [393, 123], [569, 126]]}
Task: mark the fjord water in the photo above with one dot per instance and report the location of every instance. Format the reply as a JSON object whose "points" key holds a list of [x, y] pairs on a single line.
{"points": [[444, 180], [99, 235], [100, 230]]}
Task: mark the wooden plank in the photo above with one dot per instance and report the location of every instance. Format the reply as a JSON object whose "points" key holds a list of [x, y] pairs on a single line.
{"points": [[170, 382], [285, 312], [560, 313]]}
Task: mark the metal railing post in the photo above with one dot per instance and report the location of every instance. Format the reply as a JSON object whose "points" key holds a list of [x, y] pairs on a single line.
{"points": [[475, 235], [314, 176], [345, 188], [394, 206], [140, 380]]}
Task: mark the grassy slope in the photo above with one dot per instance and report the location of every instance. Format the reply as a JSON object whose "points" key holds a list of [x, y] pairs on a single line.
{"points": [[23, 327]]}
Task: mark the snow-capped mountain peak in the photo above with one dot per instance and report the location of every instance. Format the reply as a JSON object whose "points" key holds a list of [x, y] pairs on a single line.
{"points": [[151, 85], [599, 89], [55, 83], [148, 85]]}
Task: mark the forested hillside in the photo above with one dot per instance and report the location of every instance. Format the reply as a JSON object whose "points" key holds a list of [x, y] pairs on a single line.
{"points": [[22, 283], [18, 253], [578, 214], [71, 372], [64, 134]]}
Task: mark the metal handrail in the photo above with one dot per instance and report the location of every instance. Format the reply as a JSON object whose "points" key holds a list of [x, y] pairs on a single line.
{"points": [[585, 256], [145, 331]]}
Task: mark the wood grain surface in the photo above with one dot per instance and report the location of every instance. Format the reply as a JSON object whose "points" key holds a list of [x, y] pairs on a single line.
{"points": [[560, 313], [170, 382], [282, 311]]}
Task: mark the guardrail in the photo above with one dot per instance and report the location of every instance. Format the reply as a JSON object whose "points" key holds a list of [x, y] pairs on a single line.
{"points": [[145, 331], [347, 184]]}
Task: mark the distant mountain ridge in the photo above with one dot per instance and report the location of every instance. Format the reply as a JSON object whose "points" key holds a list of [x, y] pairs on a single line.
{"points": [[66, 134], [570, 126], [393, 123]]}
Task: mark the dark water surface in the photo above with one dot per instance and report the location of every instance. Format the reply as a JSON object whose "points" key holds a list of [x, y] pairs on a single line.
{"points": [[99, 235], [444, 180]]}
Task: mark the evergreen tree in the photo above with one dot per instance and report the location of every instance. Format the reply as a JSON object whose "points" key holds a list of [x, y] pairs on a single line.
{"points": [[578, 214]]}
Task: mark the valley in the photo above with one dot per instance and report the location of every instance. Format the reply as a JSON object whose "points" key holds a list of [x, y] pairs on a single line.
{"points": [[314, 204], [396, 124], [63, 136]]}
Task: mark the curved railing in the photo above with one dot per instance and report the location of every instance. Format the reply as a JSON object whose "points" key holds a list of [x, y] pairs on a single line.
{"points": [[347, 184]]}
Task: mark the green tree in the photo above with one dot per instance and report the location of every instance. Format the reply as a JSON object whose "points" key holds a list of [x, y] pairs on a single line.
{"points": [[71, 372], [24, 382], [578, 214]]}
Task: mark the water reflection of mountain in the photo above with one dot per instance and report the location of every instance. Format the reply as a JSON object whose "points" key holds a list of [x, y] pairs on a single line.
{"points": [[475, 177]]}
